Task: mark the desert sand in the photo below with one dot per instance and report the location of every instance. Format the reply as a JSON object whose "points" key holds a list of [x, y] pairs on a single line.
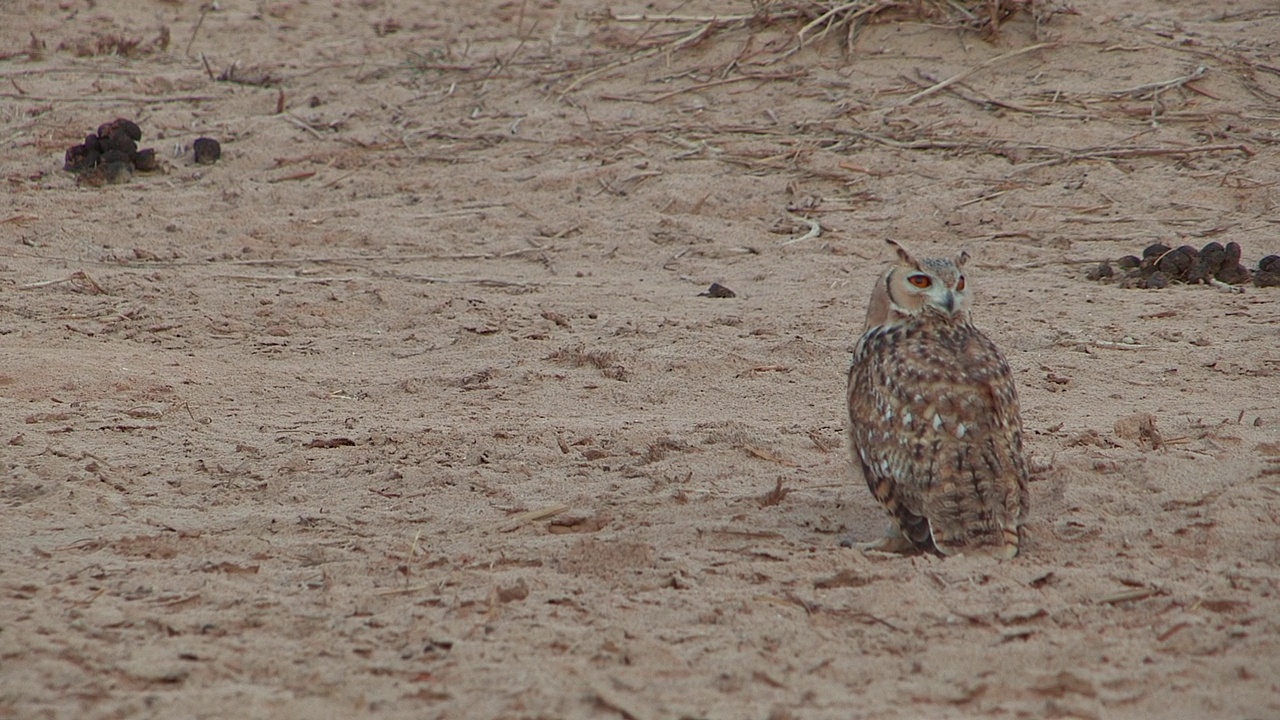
{"points": [[411, 406]]}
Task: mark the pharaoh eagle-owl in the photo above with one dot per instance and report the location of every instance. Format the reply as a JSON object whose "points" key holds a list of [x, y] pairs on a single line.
{"points": [[933, 416]]}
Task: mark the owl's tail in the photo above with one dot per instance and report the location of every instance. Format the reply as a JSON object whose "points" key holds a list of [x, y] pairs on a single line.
{"points": [[997, 539]]}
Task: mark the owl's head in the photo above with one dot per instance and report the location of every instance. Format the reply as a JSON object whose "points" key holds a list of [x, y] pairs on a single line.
{"points": [[915, 287]]}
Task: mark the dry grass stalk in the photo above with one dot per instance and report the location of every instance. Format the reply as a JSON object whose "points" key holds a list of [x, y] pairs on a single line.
{"points": [[78, 280], [817, 20]]}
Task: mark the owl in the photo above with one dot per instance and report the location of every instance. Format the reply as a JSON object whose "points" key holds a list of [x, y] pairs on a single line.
{"points": [[933, 416]]}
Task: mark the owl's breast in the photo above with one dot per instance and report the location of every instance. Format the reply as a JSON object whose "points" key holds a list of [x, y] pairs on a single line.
{"points": [[922, 379]]}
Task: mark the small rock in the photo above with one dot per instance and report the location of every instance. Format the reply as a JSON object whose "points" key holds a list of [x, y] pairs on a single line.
{"points": [[1141, 428], [718, 291], [517, 591], [156, 665]]}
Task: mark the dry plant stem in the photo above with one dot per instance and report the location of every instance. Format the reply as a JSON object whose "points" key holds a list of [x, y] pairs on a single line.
{"points": [[670, 47], [1224, 287], [112, 98], [532, 516], [961, 76], [79, 279], [1118, 153], [302, 124], [643, 17], [1151, 89], [1128, 595], [1108, 345], [704, 86], [828, 18], [204, 10], [815, 229]]}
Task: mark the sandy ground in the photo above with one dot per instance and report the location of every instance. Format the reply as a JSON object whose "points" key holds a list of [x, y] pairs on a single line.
{"points": [[410, 407]]}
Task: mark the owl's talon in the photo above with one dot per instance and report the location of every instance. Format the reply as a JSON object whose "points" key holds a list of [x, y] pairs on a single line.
{"points": [[893, 543]]}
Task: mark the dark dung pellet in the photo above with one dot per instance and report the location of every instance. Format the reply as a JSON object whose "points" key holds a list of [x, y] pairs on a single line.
{"points": [[1154, 250], [1128, 262], [1235, 274], [1270, 263], [117, 172], [145, 160], [79, 158], [1157, 280], [114, 156], [128, 127], [1101, 271], [1176, 263], [121, 143], [1199, 271], [207, 151], [1232, 250]]}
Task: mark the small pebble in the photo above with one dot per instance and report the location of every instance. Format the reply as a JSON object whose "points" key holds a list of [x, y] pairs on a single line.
{"points": [[718, 291]]}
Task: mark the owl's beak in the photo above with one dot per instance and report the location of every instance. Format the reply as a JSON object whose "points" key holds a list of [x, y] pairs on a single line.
{"points": [[949, 302]]}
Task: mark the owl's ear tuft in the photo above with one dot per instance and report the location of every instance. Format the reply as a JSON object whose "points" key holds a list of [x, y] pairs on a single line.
{"points": [[904, 257], [962, 258]]}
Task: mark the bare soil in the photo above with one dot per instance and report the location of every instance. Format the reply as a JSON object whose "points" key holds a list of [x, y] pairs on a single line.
{"points": [[410, 406]]}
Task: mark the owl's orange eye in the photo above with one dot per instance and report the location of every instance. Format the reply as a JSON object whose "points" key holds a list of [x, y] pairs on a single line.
{"points": [[920, 281], [960, 285]]}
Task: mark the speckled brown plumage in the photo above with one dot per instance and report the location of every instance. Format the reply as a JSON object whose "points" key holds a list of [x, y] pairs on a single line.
{"points": [[933, 416]]}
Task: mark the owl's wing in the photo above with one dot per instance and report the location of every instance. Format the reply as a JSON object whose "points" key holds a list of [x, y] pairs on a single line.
{"points": [[876, 437]]}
